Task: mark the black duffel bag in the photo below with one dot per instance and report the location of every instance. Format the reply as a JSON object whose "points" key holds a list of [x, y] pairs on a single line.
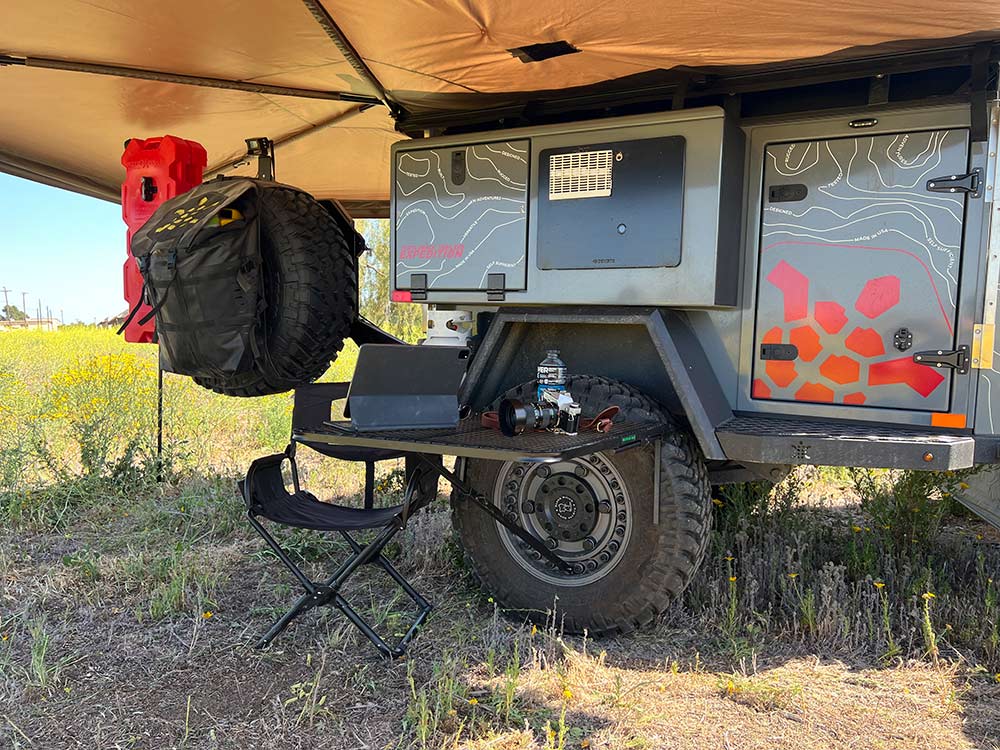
{"points": [[253, 285]]}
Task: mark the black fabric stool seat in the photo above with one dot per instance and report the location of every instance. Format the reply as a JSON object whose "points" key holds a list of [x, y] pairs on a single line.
{"points": [[267, 498], [302, 509]]}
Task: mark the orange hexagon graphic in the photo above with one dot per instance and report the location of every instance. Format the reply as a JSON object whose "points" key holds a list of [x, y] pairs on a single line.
{"points": [[814, 392], [830, 316], [854, 398], [878, 296], [865, 341], [806, 340], [840, 369]]}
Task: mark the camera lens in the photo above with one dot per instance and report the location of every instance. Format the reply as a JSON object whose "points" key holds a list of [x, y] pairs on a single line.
{"points": [[513, 417]]}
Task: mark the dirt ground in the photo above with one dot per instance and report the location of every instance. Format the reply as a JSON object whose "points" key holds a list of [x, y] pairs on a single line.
{"points": [[117, 635]]}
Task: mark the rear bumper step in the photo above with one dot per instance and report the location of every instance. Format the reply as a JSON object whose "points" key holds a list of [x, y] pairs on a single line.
{"points": [[780, 440]]}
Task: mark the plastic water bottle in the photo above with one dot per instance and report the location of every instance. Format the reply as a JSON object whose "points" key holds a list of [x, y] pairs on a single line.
{"points": [[551, 373]]}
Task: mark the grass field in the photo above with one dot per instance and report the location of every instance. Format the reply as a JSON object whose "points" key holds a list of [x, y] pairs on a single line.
{"points": [[838, 610]]}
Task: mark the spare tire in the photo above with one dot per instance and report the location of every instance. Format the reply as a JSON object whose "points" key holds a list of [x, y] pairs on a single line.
{"points": [[310, 290]]}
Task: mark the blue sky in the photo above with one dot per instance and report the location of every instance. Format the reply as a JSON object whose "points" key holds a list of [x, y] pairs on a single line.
{"points": [[62, 248]]}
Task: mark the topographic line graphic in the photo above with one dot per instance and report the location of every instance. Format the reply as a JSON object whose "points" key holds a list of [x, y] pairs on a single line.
{"points": [[897, 156], [798, 169], [507, 182], [468, 204], [461, 205], [411, 157]]}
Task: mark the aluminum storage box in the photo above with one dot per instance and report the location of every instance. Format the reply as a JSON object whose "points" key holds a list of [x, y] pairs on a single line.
{"points": [[641, 210]]}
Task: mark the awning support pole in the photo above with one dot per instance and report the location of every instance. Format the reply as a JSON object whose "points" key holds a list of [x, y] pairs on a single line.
{"points": [[325, 20], [122, 71]]}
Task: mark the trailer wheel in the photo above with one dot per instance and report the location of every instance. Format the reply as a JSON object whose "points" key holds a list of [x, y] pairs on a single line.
{"points": [[596, 512], [310, 292]]}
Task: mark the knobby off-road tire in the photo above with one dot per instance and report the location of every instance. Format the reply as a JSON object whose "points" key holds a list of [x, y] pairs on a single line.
{"points": [[653, 563], [311, 294]]}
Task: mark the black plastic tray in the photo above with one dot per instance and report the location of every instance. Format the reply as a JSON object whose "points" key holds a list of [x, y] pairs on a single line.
{"points": [[472, 440]]}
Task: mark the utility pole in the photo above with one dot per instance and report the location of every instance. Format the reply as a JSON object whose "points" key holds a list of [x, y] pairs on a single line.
{"points": [[39, 315], [6, 302], [24, 307]]}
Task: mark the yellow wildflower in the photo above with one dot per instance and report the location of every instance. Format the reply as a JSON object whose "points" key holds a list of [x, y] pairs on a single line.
{"points": [[717, 501], [878, 584], [207, 615], [964, 485], [732, 579], [928, 596], [793, 575], [534, 630], [856, 529], [567, 693], [473, 702], [728, 558]]}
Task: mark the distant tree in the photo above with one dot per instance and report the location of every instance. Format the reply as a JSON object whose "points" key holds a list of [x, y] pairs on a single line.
{"points": [[403, 320], [12, 312]]}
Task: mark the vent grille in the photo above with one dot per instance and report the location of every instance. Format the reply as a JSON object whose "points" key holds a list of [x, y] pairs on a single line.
{"points": [[585, 174]]}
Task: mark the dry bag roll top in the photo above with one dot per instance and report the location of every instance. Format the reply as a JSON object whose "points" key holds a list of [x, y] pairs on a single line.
{"points": [[200, 257]]}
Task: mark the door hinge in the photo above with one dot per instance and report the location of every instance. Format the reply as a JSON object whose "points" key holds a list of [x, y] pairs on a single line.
{"points": [[957, 359], [970, 183], [983, 335]]}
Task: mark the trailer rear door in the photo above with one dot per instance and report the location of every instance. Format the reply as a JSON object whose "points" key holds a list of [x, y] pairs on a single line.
{"points": [[860, 251]]}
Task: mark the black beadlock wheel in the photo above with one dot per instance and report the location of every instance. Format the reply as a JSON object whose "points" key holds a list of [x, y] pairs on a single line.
{"points": [[310, 292], [597, 513]]}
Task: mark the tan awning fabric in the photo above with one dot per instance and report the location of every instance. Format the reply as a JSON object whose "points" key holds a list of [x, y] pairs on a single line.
{"points": [[67, 128]]}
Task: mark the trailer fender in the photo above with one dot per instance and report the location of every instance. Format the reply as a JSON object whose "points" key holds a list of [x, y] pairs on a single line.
{"points": [[652, 349]]}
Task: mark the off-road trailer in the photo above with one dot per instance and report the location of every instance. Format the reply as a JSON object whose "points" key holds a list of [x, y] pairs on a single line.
{"points": [[765, 254], [793, 276], [811, 284]]}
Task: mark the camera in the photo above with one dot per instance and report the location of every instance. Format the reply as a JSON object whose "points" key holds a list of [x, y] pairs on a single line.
{"points": [[557, 412]]}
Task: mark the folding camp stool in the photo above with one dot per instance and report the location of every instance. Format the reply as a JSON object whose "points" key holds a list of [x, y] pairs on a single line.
{"points": [[266, 497]]}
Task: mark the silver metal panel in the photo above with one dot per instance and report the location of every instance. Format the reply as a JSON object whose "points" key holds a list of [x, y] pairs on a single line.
{"points": [[693, 283], [460, 214]]}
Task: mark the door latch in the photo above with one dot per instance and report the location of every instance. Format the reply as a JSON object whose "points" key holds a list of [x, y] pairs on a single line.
{"points": [[957, 359], [958, 183]]}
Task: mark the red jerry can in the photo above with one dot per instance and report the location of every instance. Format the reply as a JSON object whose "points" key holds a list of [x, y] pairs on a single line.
{"points": [[156, 170]]}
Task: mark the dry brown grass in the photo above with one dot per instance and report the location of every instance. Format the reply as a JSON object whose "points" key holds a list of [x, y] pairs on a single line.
{"points": [[127, 680]]}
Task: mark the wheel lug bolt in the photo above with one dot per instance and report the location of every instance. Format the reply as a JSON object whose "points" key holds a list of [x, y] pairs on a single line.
{"points": [[604, 557], [551, 542], [543, 471], [536, 555], [580, 471], [589, 508], [613, 545], [621, 515], [620, 531], [578, 568], [512, 516], [614, 484], [518, 471], [512, 486], [604, 506], [528, 507], [591, 565], [589, 543]]}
